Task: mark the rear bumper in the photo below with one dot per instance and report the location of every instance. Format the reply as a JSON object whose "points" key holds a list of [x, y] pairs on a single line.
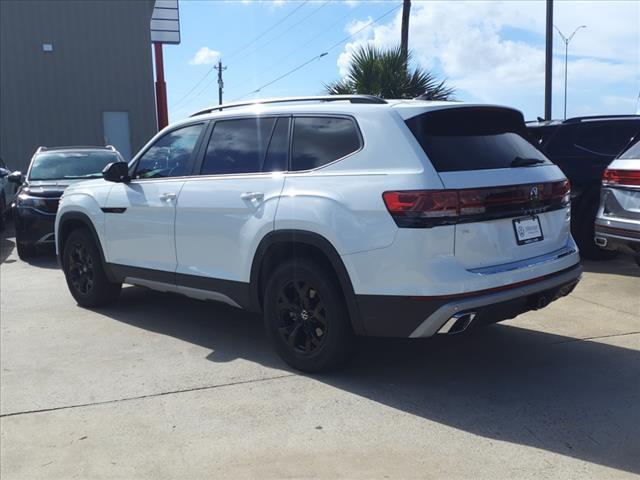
{"points": [[618, 238], [396, 316]]}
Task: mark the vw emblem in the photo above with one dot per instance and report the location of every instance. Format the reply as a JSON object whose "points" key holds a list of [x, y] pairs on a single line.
{"points": [[534, 193]]}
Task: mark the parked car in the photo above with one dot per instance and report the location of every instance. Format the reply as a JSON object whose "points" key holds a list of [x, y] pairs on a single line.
{"points": [[7, 191], [583, 147], [51, 170], [332, 216], [618, 220]]}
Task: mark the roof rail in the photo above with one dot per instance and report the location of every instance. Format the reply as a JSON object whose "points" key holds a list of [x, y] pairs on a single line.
{"points": [[321, 98], [77, 147], [601, 117]]}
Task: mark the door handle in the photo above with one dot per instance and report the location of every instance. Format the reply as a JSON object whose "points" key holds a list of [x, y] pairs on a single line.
{"points": [[252, 196], [168, 196]]}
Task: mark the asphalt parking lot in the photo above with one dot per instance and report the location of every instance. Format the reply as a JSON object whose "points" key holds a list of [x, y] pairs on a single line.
{"points": [[160, 386]]}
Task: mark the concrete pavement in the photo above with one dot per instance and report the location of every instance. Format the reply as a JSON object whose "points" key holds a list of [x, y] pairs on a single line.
{"points": [[160, 386]]}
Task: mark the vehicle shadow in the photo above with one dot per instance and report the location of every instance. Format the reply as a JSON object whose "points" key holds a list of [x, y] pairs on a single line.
{"points": [[570, 397], [45, 256], [620, 265]]}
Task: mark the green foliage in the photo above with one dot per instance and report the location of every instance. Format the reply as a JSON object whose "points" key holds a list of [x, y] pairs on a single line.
{"points": [[385, 73]]}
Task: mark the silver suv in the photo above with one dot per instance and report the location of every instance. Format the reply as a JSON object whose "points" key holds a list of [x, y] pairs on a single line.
{"points": [[618, 218]]}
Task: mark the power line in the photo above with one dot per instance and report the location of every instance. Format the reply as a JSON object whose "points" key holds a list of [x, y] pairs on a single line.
{"points": [[324, 31], [193, 88], [259, 36], [273, 39], [326, 52], [181, 99]]}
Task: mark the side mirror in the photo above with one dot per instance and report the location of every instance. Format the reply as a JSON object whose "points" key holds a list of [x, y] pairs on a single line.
{"points": [[4, 172], [16, 177], [116, 172]]}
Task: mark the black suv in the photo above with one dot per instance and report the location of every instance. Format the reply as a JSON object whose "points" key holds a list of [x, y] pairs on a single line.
{"points": [[51, 171], [583, 147]]}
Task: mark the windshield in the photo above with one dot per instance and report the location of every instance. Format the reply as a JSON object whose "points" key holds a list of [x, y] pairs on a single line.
{"points": [[70, 165], [633, 152]]}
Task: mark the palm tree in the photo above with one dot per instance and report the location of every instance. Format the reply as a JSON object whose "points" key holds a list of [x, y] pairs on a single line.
{"points": [[385, 73]]}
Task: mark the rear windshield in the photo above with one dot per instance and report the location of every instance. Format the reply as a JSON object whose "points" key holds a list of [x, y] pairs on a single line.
{"points": [[633, 152], [474, 138]]}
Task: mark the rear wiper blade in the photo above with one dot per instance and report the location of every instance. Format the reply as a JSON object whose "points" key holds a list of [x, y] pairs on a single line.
{"points": [[525, 162]]}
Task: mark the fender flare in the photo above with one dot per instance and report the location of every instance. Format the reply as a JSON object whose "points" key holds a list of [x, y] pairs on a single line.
{"points": [[292, 236], [86, 221]]}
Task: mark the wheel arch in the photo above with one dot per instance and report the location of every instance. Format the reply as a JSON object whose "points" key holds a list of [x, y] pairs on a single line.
{"points": [[284, 244], [70, 221]]}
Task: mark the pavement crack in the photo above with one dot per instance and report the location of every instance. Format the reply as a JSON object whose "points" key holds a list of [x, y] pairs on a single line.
{"points": [[151, 395]]}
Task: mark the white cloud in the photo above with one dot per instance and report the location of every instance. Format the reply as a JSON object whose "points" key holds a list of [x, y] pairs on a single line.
{"points": [[494, 51], [205, 56]]}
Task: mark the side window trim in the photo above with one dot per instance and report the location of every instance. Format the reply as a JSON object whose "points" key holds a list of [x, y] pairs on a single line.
{"points": [[322, 115], [194, 153]]}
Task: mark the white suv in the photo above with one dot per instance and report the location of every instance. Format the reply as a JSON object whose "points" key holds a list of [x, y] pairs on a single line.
{"points": [[333, 216]]}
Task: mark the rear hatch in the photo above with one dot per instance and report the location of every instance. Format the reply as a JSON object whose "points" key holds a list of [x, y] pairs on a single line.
{"points": [[621, 188], [512, 202]]}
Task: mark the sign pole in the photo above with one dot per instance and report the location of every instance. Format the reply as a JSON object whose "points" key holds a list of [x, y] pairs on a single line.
{"points": [[161, 88]]}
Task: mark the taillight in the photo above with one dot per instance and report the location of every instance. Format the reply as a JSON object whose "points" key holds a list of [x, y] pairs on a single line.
{"points": [[429, 208], [621, 177]]}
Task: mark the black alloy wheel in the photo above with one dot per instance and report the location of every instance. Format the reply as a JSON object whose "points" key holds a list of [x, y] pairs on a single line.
{"points": [[306, 316], [81, 272], [85, 272], [303, 317]]}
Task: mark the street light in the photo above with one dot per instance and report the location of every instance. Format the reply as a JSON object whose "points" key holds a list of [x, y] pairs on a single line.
{"points": [[566, 56]]}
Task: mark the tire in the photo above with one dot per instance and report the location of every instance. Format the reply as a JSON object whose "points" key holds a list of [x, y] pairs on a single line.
{"points": [[3, 213], [25, 250], [85, 273], [306, 317]]}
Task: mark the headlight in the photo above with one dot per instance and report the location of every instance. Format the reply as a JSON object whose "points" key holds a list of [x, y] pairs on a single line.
{"points": [[24, 200]]}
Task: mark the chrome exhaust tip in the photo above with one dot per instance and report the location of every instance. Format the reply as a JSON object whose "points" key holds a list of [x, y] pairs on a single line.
{"points": [[601, 241], [458, 323]]}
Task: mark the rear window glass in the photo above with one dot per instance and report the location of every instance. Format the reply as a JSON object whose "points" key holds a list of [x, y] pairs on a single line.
{"points": [[473, 138], [605, 138], [321, 140], [633, 152]]}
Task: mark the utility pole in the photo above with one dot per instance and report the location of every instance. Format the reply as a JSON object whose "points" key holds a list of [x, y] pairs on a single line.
{"points": [[566, 41], [404, 36], [220, 68], [548, 61]]}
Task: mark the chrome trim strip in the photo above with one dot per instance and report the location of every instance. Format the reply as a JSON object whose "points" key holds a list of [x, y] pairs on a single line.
{"points": [[437, 319], [529, 262], [187, 291], [45, 238]]}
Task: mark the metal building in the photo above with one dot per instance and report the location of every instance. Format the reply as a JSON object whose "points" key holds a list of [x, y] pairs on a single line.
{"points": [[75, 73]]}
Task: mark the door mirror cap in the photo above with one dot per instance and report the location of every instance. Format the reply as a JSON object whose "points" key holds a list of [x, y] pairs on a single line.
{"points": [[16, 177], [116, 172]]}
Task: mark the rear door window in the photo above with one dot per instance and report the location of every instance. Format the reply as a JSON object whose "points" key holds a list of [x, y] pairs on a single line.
{"points": [[238, 146], [278, 152], [318, 141], [473, 138]]}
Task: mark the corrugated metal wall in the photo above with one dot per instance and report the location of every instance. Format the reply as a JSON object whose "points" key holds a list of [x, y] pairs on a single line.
{"points": [[101, 61]]}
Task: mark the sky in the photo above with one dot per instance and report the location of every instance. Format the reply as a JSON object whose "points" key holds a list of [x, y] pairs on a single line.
{"points": [[489, 51]]}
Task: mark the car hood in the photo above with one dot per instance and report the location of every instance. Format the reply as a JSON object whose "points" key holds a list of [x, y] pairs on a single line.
{"points": [[52, 188]]}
